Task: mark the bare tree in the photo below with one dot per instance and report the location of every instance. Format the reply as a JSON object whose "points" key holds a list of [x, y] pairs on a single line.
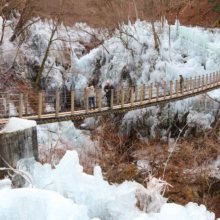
{"points": [[58, 11]]}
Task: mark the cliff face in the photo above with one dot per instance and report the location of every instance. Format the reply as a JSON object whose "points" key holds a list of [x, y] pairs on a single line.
{"points": [[17, 145]]}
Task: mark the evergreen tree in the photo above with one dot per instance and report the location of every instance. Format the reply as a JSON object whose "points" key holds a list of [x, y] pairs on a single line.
{"points": [[216, 6]]}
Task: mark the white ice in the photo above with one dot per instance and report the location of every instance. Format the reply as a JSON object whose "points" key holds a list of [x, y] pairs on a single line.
{"points": [[18, 124]]}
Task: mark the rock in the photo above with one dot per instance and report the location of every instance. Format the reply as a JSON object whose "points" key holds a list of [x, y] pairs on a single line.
{"points": [[190, 193]]}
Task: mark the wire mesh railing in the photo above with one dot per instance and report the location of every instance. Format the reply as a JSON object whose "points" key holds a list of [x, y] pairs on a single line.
{"points": [[60, 102]]}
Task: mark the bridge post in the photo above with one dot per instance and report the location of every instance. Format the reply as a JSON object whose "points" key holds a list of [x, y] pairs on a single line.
{"points": [[193, 85], [97, 96], [210, 80], [190, 83], [122, 98], [217, 77], [202, 82], [182, 89], [112, 98], [20, 105], [157, 90], [187, 86], [100, 99], [195, 82], [136, 93], [213, 78], [150, 92], [26, 103], [198, 84], [8, 103], [43, 101], [40, 102], [87, 102], [117, 95], [57, 102], [165, 90], [171, 89], [132, 96], [144, 88], [84, 97], [141, 95], [206, 81], [72, 102], [177, 89], [127, 96]]}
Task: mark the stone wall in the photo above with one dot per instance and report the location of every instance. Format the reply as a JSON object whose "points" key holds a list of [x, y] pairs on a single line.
{"points": [[17, 145]]}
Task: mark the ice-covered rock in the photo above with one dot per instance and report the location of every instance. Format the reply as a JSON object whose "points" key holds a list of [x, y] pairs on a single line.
{"points": [[18, 124], [36, 204]]}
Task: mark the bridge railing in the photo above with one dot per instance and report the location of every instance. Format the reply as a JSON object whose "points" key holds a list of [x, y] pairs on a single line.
{"points": [[57, 102]]}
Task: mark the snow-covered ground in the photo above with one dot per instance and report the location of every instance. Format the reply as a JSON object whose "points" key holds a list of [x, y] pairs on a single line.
{"points": [[67, 193]]}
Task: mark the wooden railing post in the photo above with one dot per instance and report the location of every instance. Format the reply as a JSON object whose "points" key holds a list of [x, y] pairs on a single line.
{"points": [[87, 102], [217, 77], [190, 83], [72, 102], [136, 93], [97, 97], [150, 92], [8, 104], [198, 86], [127, 96], [165, 89], [26, 103], [40, 104], [20, 105], [43, 101], [117, 95], [132, 96], [187, 86], [84, 97], [112, 98], [100, 99], [213, 78], [57, 102], [177, 89], [144, 89], [206, 81], [157, 91], [202, 82], [122, 98], [171, 89], [193, 86], [141, 95], [210, 80]]}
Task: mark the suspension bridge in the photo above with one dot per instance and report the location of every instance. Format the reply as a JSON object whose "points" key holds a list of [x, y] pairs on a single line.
{"points": [[62, 105]]}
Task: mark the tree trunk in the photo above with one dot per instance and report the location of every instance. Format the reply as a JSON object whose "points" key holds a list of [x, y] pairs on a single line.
{"points": [[198, 6], [45, 57]]}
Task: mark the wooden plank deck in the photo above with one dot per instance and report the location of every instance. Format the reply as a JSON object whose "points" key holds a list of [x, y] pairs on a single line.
{"points": [[63, 116]]}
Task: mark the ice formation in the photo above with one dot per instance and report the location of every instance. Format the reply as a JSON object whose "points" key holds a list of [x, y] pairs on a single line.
{"points": [[88, 196], [18, 124], [64, 135], [36, 204]]}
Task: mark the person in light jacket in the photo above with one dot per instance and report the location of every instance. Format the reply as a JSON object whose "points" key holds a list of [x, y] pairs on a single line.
{"points": [[91, 95]]}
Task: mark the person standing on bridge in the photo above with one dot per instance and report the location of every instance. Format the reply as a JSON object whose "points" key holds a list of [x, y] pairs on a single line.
{"points": [[108, 93], [91, 95], [181, 84]]}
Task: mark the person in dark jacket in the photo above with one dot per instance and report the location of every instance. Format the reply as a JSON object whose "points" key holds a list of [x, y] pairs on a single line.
{"points": [[108, 93], [181, 83]]}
